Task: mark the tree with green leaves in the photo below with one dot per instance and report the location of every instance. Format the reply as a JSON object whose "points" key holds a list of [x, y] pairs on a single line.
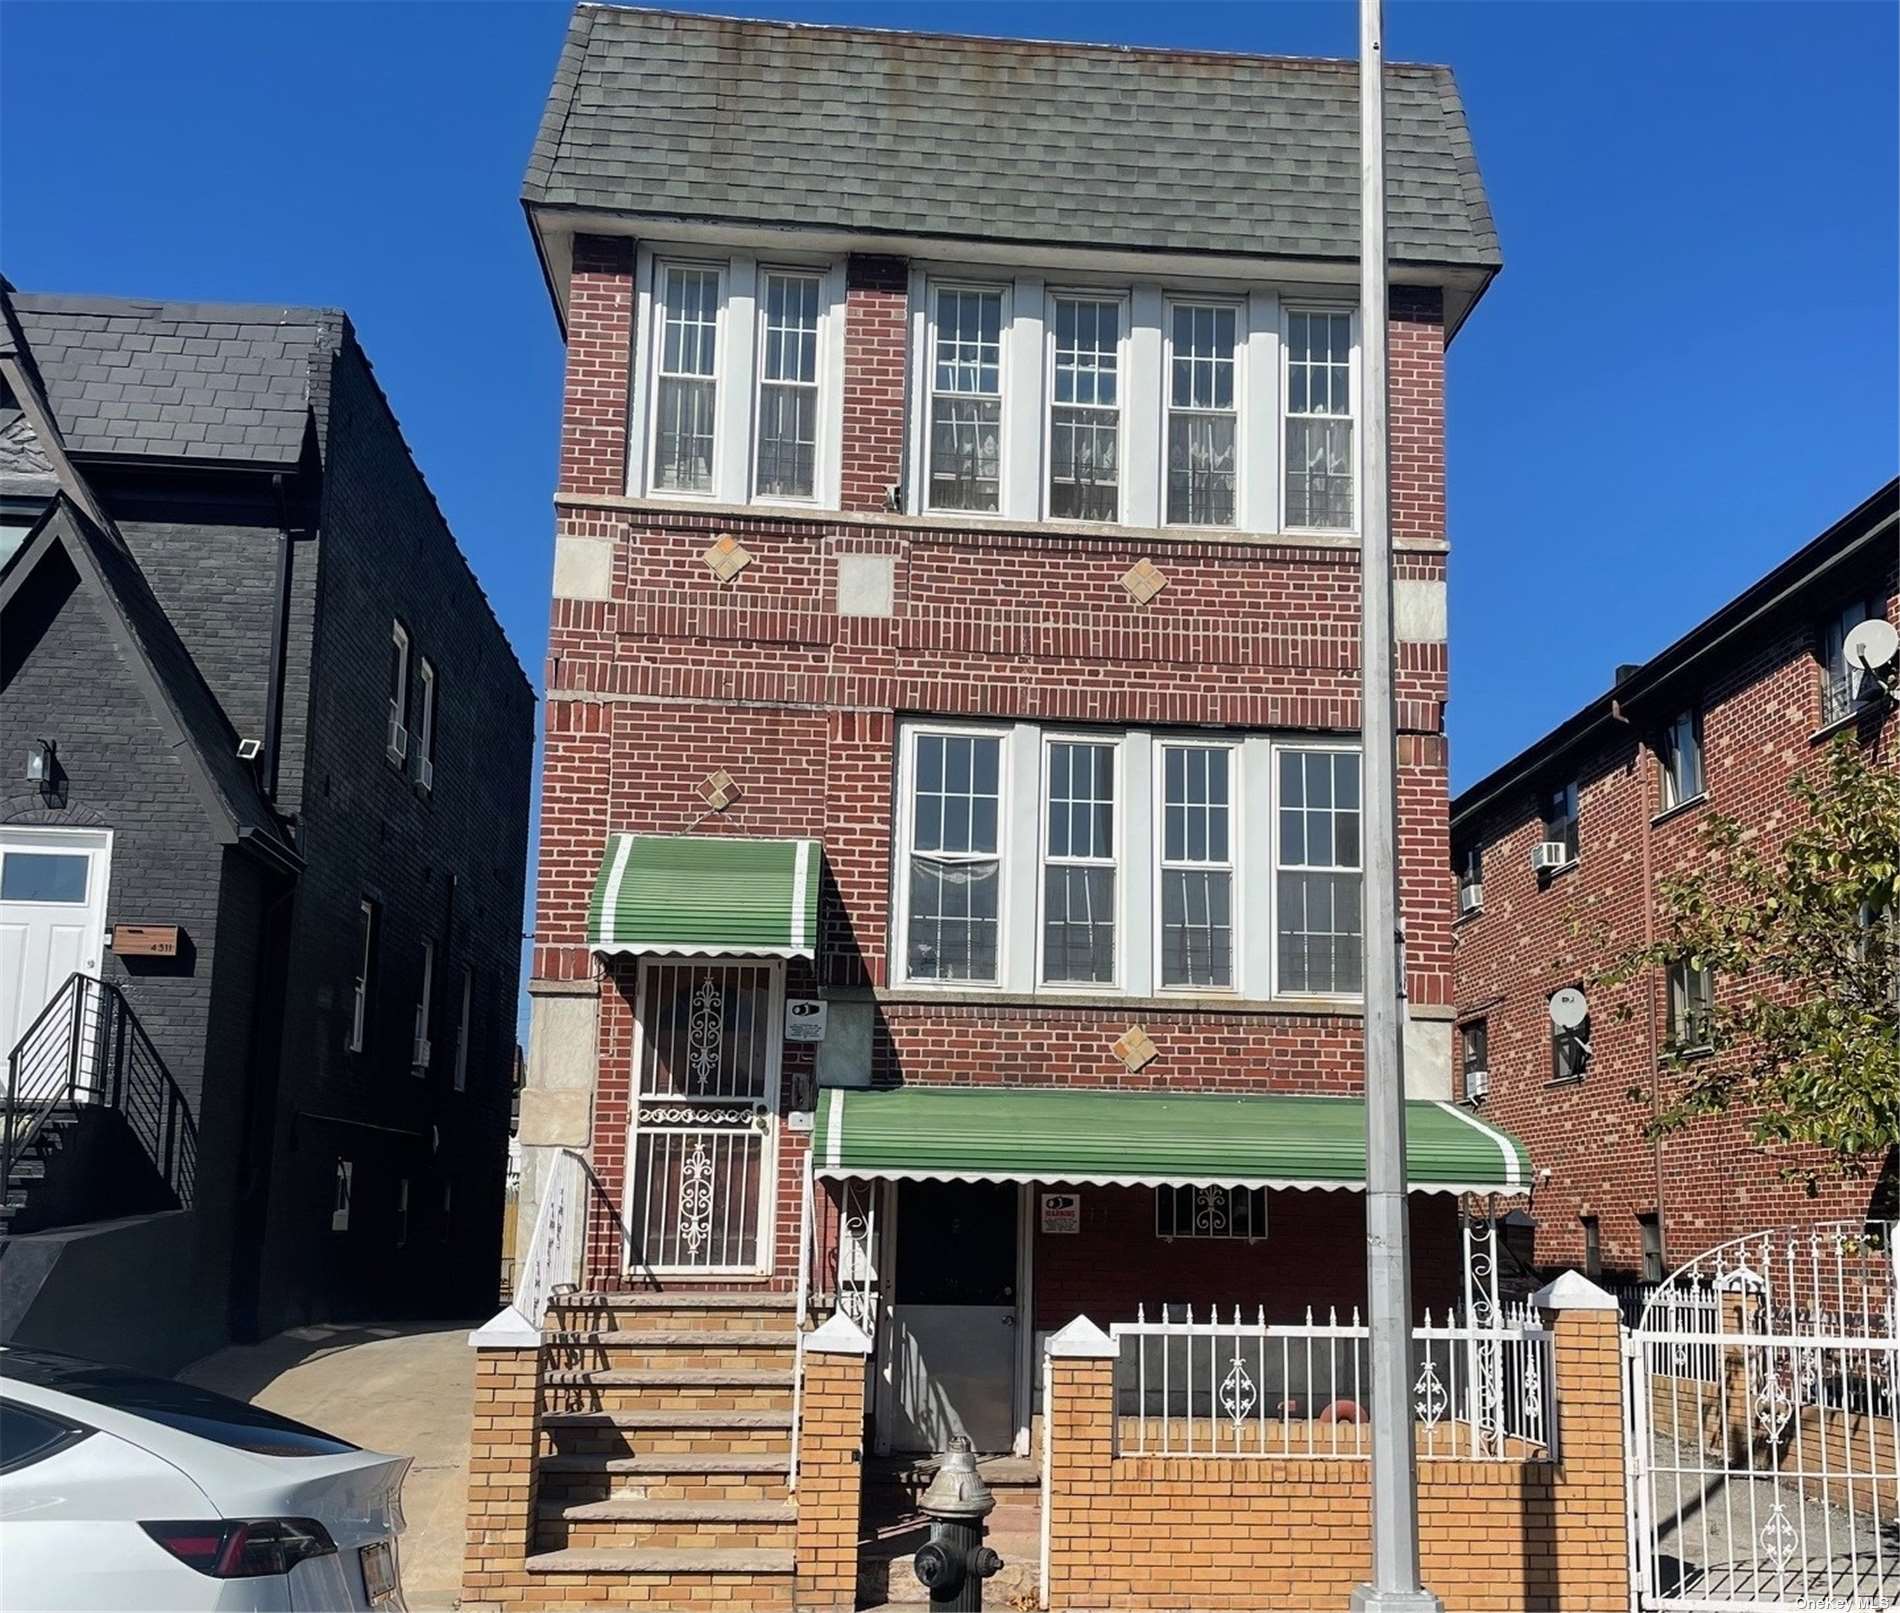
{"points": [[1802, 940]]}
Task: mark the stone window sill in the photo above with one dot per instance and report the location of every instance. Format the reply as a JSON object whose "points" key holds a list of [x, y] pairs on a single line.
{"points": [[1700, 798]]}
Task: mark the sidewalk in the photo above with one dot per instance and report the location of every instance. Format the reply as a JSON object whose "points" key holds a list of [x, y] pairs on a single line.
{"points": [[407, 1390]]}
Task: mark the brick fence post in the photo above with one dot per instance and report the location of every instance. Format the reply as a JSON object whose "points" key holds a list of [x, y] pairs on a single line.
{"points": [[503, 1444], [830, 1466], [1588, 1536], [1078, 1449]]}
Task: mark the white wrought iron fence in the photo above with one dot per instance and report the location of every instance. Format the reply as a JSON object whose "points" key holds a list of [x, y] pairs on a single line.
{"points": [[1234, 1387]]}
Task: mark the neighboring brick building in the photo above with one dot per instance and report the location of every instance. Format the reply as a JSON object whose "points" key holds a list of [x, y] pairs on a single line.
{"points": [[215, 539], [955, 622], [1718, 722]]}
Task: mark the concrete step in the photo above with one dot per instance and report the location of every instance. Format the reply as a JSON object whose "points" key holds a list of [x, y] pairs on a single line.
{"points": [[726, 1464], [650, 1389], [676, 1564], [711, 1310], [634, 1522], [668, 1419], [663, 1378], [665, 1432]]}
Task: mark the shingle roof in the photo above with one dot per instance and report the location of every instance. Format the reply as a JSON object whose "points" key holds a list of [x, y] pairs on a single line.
{"points": [[658, 113], [228, 382]]}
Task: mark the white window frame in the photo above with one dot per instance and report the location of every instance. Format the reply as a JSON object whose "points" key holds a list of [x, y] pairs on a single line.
{"points": [[366, 911], [1124, 330], [1675, 1021], [421, 1054], [462, 1028], [1355, 393], [905, 818], [1669, 757], [1164, 742], [927, 392], [656, 346], [396, 726], [1573, 810], [826, 385], [425, 730], [1844, 685], [1282, 747], [1238, 302], [1116, 862]]}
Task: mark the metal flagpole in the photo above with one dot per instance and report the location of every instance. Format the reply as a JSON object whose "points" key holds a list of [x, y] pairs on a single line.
{"points": [[1394, 1587]]}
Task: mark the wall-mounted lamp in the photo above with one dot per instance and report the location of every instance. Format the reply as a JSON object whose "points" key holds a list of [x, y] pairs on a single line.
{"points": [[42, 764]]}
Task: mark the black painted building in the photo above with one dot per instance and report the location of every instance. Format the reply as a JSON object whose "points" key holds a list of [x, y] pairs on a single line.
{"points": [[264, 770]]}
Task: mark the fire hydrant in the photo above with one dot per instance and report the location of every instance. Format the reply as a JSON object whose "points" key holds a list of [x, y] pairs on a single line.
{"points": [[954, 1563]]}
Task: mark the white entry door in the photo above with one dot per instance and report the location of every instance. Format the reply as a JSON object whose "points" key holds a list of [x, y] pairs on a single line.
{"points": [[705, 1121], [52, 917]]}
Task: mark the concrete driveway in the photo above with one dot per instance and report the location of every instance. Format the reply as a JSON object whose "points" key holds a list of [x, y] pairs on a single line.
{"points": [[407, 1390]]}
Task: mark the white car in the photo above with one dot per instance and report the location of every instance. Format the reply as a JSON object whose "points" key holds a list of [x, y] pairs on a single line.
{"points": [[124, 1492]]}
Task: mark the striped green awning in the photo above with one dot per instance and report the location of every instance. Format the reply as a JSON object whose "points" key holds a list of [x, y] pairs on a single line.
{"points": [[706, 895], [1142, 1139]]}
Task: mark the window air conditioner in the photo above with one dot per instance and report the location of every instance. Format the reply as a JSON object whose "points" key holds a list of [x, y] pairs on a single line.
{"points": [[1477, 1085], [397, 736], [1549, 854], [425, 772], [422, 1053], [1470, 898]]}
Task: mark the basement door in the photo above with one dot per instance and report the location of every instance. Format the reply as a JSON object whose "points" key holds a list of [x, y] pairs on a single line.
{"points": [[704, 1141], [955, 1315], [52, 917]]}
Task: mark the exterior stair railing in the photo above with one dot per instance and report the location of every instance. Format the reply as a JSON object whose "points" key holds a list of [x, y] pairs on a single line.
{"points": [[87, 1047]]}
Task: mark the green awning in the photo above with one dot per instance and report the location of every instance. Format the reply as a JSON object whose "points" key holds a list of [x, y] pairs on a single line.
{"points": [[1148, 1139], [706, 895]]}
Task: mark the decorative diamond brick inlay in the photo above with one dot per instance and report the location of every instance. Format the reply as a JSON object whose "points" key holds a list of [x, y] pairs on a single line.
{"points": [[718, 790], [727, 557], [1143, 580], [1135, 1048]]}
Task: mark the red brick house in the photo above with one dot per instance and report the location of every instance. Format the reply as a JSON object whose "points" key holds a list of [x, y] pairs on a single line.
{"points": [[1557, 855], [949, 882]]}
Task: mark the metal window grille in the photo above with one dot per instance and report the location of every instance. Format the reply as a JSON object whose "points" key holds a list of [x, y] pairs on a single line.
{"points": [[688, 388], [1319, 886], [1319, 423], [955, 867], [1078, 917], [966, 410], [788, 387], [706, 1091], [1203, 416], [1197, 869], [1211, 1212], [1085, 411]]}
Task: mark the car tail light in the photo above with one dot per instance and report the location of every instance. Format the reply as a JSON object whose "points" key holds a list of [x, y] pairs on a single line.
{"points": [[243, 1548]]}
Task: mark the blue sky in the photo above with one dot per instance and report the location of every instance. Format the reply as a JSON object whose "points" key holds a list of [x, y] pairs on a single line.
{"points": [[1687, 368]]}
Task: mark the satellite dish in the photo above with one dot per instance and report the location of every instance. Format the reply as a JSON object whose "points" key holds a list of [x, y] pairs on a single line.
{"points": [[1569, 1008], [1872, 645]]}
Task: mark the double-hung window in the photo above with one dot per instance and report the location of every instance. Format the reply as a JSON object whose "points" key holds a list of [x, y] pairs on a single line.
{"points": [[1319, 419], [955, 863], [687, 395], [1560, 820], [1474, 1055], [1570, 1050], [1320, 889], [420, 1054], [1197, 866], [787, 464], [1691, 1006], [365, 973], [396, 731], [1203, 414], [1079, 859], [1085, 410], [1842, 684], [462, 1028], [966, 399], [425, 727], [1681, 757]]}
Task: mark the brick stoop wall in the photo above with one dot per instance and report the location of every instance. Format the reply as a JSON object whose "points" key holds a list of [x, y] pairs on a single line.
{"points": [[1511, 1536]]}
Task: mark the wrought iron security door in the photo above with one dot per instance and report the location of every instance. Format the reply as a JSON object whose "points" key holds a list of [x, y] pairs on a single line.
{"points": [[705, 1118]]}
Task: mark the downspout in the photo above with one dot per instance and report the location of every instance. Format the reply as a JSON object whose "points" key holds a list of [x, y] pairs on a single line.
{"points": [[1647, 813]]}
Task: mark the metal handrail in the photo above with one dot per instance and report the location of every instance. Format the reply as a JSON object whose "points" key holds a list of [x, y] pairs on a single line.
{"points": [[86, 1046]]}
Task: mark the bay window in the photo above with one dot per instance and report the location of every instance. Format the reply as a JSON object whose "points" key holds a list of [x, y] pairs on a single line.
{"points": [[688, 392], [1140, 863], [1197, 869], [966, 399], [1203, 415], [1319, 419], [1085, 410], [787, 464]]}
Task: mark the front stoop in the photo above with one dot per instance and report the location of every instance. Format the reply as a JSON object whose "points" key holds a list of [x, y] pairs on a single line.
{"points": [[661, 1473]]}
